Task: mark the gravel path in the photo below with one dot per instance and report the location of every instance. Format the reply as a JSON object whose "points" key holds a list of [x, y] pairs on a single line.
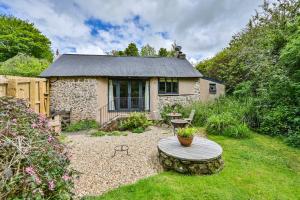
{"points": [[92, 156]]}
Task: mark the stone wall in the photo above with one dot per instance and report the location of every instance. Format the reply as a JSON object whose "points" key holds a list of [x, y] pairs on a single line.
{"points": [[191, 167], [78, 95], [182, 99]]}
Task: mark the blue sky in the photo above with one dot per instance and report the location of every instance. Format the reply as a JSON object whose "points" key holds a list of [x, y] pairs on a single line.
{"points": [[201, 27]]}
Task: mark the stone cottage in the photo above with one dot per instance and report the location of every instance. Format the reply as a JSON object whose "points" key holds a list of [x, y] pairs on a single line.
{"points": [[101, 87]]}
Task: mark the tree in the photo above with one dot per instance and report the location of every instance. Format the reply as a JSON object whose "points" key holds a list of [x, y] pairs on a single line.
{"points": [[18, 36], [147, 50], [23, 65], [172, 52], [131, 50], [116, 53], [262, 63], [163, 52]]}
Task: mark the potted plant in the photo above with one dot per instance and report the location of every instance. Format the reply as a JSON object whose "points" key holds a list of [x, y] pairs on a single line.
{"points": [[186, 135]]}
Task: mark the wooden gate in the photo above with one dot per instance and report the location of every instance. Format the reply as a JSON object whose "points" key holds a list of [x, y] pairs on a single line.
{"points": [[34, 90]]}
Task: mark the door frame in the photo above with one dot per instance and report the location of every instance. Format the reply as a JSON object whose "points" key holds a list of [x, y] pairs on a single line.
{"points": [[129, 109]]}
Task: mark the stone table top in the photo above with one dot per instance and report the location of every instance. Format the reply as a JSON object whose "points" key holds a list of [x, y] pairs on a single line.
{"points": [[201, 149]]}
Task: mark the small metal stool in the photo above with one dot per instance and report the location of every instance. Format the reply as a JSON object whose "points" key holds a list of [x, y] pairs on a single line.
{"points": [[122, 147]]}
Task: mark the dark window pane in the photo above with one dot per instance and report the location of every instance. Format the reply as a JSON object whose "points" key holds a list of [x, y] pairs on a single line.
{"points": [[162, 87], [175, 87], [123, 94], [169, 87], [212, 88]]}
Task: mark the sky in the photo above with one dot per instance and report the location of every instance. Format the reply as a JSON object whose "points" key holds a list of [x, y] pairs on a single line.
{"points": [[201, 27]]}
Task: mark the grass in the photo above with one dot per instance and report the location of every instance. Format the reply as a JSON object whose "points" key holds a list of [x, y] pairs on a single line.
{"points": [[82, 125], [103, 133], [259, 167]]}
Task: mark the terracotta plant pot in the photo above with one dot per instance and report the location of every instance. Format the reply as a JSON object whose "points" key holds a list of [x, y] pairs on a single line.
{"points": [[185, 141]]}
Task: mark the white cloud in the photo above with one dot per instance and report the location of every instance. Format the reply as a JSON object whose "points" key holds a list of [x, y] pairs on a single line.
{"points": [[201, 27]]}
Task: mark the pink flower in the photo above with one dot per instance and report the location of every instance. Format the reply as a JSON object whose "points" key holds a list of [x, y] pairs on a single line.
{"points": [[66, 177], [30, 110], [14, 120], [13, 134], [51, 185], [37, 180], [30, 170], [50, 138], [33, 125]]}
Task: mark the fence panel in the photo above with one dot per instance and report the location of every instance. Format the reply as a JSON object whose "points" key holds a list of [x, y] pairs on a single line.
{"points": [[34, 90]]}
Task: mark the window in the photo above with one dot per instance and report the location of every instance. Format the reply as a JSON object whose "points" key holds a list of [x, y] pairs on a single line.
{"points": [[212, 88], [168, 86]]}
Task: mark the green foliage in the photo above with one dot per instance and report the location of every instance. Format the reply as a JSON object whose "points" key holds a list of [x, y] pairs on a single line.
{"points": [[163, 52], [226, 124], [238, 131], [239, 108], [136, 121], [262, 62], [131, 50], [82, 125], [218, 123], [255, 168], [147, 50], [169, 109], [290, 54], [293, 140], [276, 121], [227, 116], [23, 65], [104, 133], [138, 130], [34, 163], [18, 36], [117, 53], [186, 132]]}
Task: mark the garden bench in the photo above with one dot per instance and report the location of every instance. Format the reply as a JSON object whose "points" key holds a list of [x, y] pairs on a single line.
{"points": [[191, 117]]}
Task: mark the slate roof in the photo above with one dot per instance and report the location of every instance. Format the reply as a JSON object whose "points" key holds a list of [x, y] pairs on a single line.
{"points": [[118, 66]]}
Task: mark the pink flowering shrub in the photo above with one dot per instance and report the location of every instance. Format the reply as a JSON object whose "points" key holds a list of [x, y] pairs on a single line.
{"points": [[33, 163]]}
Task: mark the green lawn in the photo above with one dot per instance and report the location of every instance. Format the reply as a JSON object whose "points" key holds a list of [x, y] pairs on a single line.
{"points": [[258, 168]]}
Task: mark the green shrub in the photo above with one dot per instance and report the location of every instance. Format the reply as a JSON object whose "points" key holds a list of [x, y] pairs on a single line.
{"points": [[186, 132], [138, 130], [34, 163], [97, 133], [240, 108], [135, 121], [82, 125], [276, 121], [168, 109], [216, 124], [237, 131], [293, 140], [23, 65], [226, 124]]}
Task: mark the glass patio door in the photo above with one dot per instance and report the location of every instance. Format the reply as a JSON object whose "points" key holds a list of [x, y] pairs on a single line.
{"points": [[135, 96], [127, 95], [123, 95]]}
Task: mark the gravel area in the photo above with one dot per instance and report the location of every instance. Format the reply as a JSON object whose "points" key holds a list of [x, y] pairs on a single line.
{"points": [[92, 156]]}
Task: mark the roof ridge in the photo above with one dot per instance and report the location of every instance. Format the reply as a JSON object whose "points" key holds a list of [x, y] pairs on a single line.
{"points": [[80, 54]]}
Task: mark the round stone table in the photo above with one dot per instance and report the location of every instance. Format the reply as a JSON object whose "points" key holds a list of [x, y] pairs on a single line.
{"points": [[202, 157]]}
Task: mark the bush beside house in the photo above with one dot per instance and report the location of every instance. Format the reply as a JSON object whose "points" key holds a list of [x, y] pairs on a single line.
{"points": [[33, 163]]}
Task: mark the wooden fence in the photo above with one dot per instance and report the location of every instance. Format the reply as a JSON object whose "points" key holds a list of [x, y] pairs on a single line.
{"points": [[34, 90]]}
